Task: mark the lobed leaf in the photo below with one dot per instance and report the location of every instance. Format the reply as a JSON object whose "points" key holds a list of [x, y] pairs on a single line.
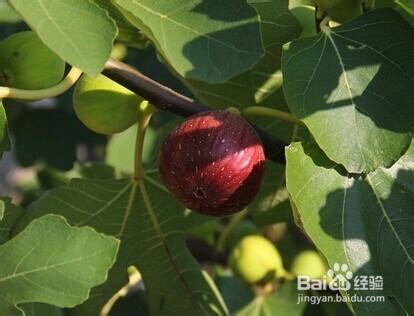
{"points": [[51, 262], [150, 224], [341, 83], [207, 41], [262, 83], [364, 222]]}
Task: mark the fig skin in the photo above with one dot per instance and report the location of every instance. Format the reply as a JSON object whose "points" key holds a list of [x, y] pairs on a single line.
{"points": [[213, 163], [105, 106], [309, 263], [256, 260], [27, 63]]}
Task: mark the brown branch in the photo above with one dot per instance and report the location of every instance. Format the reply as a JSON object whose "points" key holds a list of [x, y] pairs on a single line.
{"points": [[167, 99]]}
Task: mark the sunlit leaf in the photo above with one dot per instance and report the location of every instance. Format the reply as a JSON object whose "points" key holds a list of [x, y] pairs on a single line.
{"points": [[54, 263], [366, 222], [150, 224], [341, 83], [198, 40]]}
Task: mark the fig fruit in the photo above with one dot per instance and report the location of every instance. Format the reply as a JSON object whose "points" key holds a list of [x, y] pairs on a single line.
{"points": [[305, 14], [213, 163], [256, 260], [105, 106], [309, 263], [27, 63]]}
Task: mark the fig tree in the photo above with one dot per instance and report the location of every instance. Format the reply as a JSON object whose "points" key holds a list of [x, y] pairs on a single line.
{"points": [[309, 263], [256, 260], [105, 106], [27, 63], [213, 163]]}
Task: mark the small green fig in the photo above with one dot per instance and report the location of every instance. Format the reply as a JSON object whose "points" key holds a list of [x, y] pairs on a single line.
{"points": [[105, 106], [309, 263], [305, 14], [27, 63], [256, 260]]}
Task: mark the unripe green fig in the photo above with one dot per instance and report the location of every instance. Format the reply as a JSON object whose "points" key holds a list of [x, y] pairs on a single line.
{"points": [[256, 260], [305, 14], [27, 63], [105, 106], [309, 263]]}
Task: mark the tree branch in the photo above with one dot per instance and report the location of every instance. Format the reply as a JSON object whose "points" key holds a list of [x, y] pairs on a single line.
{"points": [[167, 99]]}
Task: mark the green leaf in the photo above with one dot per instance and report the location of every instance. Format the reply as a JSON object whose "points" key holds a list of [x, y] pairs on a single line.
{"points": [[9, 213], [236, 293], [407, 5], [128, 33], [262, 82], [97, 170], [338, 83], [272, 202], [80, 32], [37, 309], [406, 8], [364, 222], [150, 224], [7, 14], [51, 262], [281, 303], [207, 41]]}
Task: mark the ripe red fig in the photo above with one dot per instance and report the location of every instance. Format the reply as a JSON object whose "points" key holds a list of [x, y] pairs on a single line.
{"points": [[213, 163]]}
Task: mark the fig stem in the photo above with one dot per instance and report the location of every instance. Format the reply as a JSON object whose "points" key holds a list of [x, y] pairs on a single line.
{"points": [[134, 282], [324, 26], [145, 113], [167, 99], [234, 221], [265, 111], [61, 87]]}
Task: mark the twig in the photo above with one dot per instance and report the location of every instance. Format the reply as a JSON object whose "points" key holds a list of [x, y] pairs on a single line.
{"points": [[61, 87], [167, 99]]}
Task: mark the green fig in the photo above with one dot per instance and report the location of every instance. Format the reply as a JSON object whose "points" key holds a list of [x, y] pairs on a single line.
{"points": [[256, 260], [105, 106], [27, 63], [309, 263], [305, 14]]}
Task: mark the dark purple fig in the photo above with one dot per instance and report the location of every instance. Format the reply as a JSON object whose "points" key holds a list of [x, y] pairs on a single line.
{"points": [[213, 163]]}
